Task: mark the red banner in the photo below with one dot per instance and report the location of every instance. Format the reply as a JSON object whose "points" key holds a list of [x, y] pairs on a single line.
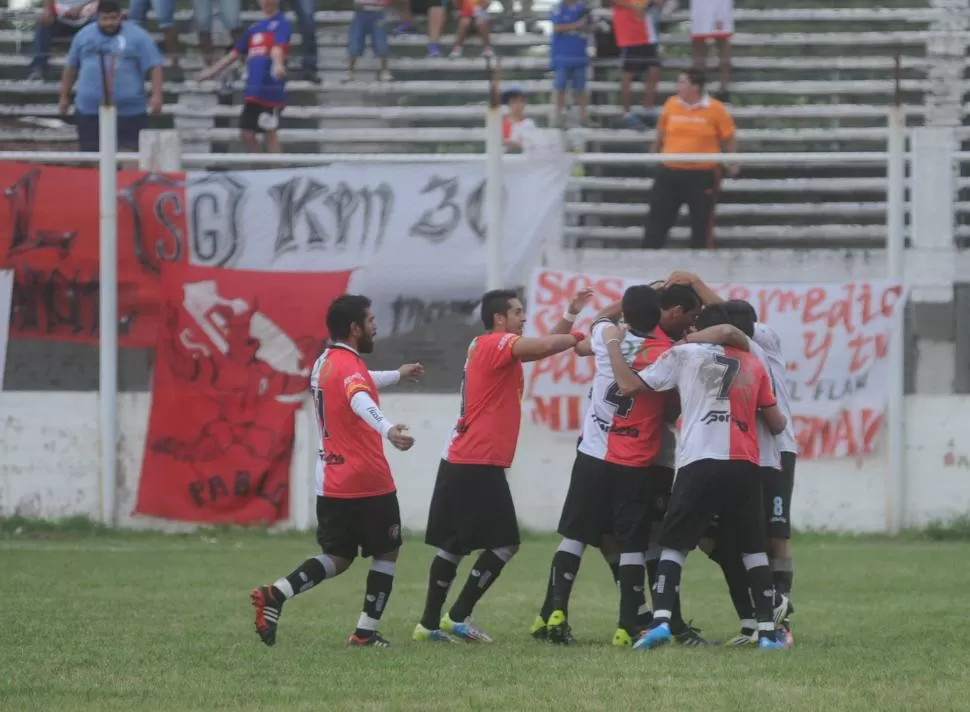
{"points": [[232, 362], [51, 219]]}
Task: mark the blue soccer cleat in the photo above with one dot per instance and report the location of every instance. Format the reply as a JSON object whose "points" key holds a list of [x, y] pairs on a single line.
{"points": [[768, 644], [653, 638]]}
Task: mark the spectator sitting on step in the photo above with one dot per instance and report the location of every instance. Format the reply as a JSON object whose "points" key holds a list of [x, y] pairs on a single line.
{"points": [[125, 53], [638, 39], [229, 16], [571, 24], [264, 45], [507, 23], [369, 20], [62, 19], [472, 10], [515, 125], [165, 15]]}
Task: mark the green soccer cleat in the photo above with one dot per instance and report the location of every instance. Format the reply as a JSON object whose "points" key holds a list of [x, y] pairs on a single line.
{"points": [[558, 630], [538, 630]]}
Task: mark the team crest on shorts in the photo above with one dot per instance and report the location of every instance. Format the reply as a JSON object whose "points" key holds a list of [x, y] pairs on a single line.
{"points": [[394, 531]]}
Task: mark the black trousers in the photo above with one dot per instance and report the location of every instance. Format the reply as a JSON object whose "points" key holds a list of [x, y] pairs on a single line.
{"points": [[672, 188]]}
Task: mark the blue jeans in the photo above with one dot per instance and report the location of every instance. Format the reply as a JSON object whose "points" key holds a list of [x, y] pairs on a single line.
{"points": [[43, 37], [368, 23], [304, 10], [164, 12]]}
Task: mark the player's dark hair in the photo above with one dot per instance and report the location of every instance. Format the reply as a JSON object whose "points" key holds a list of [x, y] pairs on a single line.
{"points": [[346, 310], [641, 308], [494, 303], [742, 315], [679, 295], [713, 315], [697, 78], [109, 7]]}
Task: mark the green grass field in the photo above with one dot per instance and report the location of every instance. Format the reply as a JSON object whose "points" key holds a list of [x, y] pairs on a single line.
{"points": [[123, 622]]}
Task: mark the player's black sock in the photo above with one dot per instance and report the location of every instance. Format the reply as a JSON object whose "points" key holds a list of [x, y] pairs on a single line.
{"points": [[380, 580], [736, 577], [782, 573], [759, 581], [444, 566], [307, 575], [480, 578], [667, 588], [565, 566], [632, 574]]}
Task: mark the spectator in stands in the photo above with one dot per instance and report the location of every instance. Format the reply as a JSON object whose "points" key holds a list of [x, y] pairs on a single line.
{"points": [[508, 19], [690, 122], [571, 24], [406, 26], [713, 20], [123, 52], [165, 15], [515, 125], [369, 20], [307, 23], [228, 14], [264, 45], [62, 19], [472, 10], [637, 37]]}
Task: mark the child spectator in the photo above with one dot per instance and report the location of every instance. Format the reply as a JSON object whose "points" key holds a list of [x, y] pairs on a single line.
{"points": [[369, 20], [264, 45], [203, 11], [515, 125], [571, 24], [472, 10]]}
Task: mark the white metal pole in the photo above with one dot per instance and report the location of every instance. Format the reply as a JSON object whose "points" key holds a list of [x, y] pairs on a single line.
{"points": [[895, 246], [493, 198], [108, 319]]}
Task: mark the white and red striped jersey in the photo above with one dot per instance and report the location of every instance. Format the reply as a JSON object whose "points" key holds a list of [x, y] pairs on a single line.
{"points": [[767, 442], [624, 430], [770, 343], [721, 390]]}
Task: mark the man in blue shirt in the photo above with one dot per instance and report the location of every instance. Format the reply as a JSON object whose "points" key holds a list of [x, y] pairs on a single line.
{"points": [[127, 53], [264, 45], [571, 25]]}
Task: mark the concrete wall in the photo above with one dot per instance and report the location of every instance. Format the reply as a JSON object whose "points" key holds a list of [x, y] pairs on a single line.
{"points": [[49, 463]]}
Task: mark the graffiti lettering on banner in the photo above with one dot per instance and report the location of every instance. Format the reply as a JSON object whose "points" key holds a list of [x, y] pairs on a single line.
{"points": [[835, 338]]}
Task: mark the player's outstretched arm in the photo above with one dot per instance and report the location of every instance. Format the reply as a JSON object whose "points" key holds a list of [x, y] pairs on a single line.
{"points": [[576, 305], [706, 294], [774, 419], [535, 348], [585, 347], [368, 411], [721, 334]]}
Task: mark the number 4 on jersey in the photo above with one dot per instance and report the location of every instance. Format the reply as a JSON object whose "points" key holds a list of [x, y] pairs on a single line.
{"points": [[622, 404]]}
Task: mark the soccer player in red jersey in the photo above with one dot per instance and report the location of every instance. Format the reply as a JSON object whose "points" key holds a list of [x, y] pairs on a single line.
{"points": [[471, 508], [723, 391], [357, 507]]}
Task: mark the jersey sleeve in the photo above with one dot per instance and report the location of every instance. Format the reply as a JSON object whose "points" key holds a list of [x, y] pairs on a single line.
{"points": [[556, 15], [664, 373], [724, 124], [282, 35], [766, 394], [499, 351], [242, 44], [664, 119], [767, 338], [355, 382], [596, 336]]}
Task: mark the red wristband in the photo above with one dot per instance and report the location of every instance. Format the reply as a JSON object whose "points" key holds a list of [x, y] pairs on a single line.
{"points": [[578, 335]]}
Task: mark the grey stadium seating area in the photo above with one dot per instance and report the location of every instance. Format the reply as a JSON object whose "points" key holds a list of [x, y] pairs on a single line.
{"points": [[812, 75]]}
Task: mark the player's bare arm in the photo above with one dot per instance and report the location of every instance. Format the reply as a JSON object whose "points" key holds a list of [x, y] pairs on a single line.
{"points": [[706, 294], [721, 334], [411, 371], [626, 378], [217, 68], [576, 305], [584, 347], [774, 418], [535, 348]]}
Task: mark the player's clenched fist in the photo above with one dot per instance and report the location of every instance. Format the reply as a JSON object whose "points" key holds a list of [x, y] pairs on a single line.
{"points": [[398, 435], [411, 371]]}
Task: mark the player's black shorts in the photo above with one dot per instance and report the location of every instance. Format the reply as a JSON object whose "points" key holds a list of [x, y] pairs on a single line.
{"points": [[609, 499], [729, 490], [259, 118], [370, 524], [777, 487], [661, 486], [471, 509], [639, 58]]}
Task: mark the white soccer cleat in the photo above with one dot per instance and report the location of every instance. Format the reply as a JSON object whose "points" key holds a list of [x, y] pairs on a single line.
{"points": [[466, 630]]}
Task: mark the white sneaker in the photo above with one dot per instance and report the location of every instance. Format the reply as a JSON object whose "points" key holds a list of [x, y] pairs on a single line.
{"points": [[488, 53], [347, 78], [455, 53], [385, 76]]}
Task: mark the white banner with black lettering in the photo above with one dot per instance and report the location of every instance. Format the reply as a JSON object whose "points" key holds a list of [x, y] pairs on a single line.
{"points": [[6, 294], [413, 236]]}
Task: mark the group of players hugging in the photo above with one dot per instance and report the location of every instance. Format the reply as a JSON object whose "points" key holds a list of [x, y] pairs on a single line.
{"points": [[684, 383]]}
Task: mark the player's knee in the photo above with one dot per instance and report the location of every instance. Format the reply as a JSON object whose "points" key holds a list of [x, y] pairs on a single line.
{"points": [[571, 546], [449, 557], [779, 548], [389, 556], [505, 553], [753, 561], [707, 545], [340, 563], [609, 545]]}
